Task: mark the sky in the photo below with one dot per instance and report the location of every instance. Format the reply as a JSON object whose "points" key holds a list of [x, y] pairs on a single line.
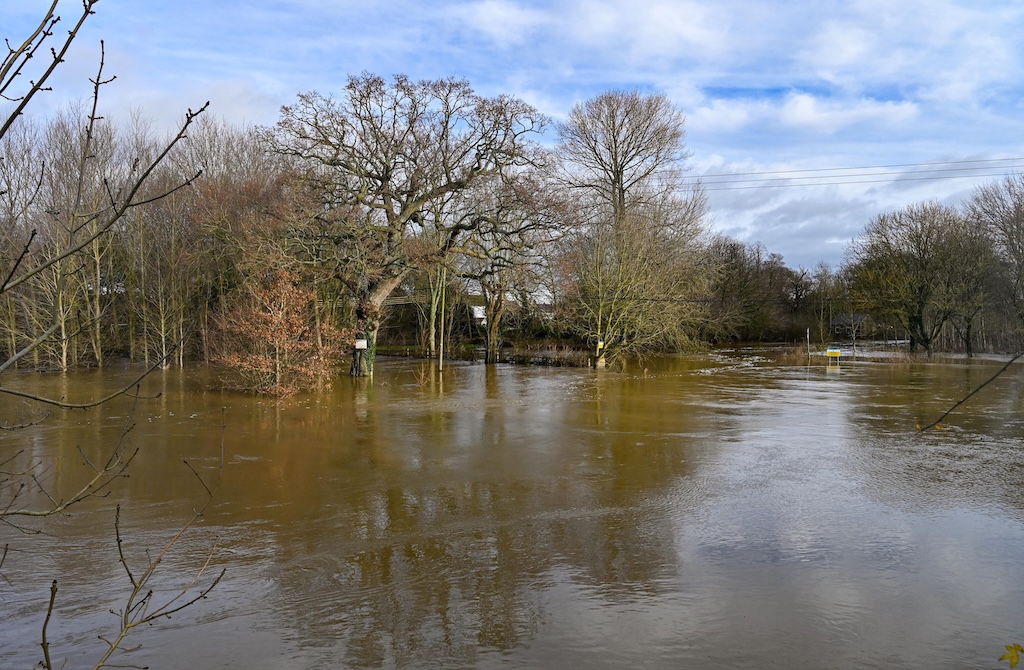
{"points": [[805, 119]]}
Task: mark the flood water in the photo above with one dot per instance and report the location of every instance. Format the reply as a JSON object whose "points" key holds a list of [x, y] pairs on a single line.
{"points": [[717, 511]]}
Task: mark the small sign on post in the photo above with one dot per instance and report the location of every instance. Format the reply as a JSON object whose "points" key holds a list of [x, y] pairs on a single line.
{"points": [[361, 344]]}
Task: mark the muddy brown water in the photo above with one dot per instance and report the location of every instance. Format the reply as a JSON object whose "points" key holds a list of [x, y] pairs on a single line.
{"points": [[717, 511]]}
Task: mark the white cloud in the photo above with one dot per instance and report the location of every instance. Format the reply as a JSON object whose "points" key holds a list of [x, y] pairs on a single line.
{"points": [[505, 23], [831, 116], [765, 85], [724, 116], [795, 111], [674, 29], [839, 49]]}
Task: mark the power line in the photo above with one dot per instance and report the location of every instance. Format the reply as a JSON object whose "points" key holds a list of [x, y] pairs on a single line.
{"points": [[859, 181], [842, 175], [871, 167], [866, 174]]}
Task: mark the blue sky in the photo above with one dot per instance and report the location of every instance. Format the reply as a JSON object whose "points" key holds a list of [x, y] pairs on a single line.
{"points": [[768, 86]]}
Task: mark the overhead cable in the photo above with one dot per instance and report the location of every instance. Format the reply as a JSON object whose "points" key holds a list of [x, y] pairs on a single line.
{"points": [[840, 176]]}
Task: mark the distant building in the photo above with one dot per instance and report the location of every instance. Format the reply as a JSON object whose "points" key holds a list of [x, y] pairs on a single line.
{"points": [[479, 314]]}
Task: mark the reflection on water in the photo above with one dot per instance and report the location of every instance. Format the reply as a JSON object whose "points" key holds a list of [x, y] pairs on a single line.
{"points": [[719, 511]]}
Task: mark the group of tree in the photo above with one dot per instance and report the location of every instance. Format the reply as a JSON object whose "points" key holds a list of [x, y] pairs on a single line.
{"points": [[948, 277], [288, 248], [293, 247]]}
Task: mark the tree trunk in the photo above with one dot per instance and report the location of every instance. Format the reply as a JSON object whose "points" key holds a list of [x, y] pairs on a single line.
{"points": [[432, 320], [493, 343], [495, 310], [363, 359], [369, 310]]}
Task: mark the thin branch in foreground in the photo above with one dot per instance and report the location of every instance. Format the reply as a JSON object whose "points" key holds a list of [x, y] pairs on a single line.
{"points": [[27, 424], [103, 476], [47, 663], [137, 608], [120, 547], [21, 257], [124, 390], [207, 488], [988, 381], [141, 606]]}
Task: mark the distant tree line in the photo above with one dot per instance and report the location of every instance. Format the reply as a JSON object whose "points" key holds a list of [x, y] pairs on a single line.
{"points": [[422, 215]]}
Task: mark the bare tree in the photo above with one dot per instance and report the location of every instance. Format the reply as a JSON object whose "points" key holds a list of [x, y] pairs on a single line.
{"points": [[21, 179], [236, 201], [78, 169], [634, 265], [377, 157], [624, 146], [640, 285], [430, 251], [756, 296], [973, 285], [56, 260]]}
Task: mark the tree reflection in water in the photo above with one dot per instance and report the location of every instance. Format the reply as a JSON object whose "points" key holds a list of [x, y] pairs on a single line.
{"points": [[708, 512]]}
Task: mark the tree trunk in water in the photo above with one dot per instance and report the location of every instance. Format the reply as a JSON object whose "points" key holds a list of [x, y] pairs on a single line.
{"points": [[204, 331], [492, 343], [96, 304], [369, 312], [64, 353], [494, 311], [918, 336], [363, 359], [435, 305], [367, 325]]}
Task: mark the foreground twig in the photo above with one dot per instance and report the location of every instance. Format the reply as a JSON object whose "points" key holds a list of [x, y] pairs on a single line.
{"points": [[49, 612], [103, 476], [92, 403], [966, 397], [141, 606]]}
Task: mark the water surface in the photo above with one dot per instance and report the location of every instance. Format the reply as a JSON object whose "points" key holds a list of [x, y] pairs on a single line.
{"points": [[715, 511]]}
